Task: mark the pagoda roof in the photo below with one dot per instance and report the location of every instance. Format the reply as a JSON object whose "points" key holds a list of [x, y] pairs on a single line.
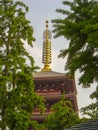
{"points": [[48, 74]]}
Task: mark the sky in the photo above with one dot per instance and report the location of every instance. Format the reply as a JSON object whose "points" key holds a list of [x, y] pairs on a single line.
{"points": [[39, 12]]}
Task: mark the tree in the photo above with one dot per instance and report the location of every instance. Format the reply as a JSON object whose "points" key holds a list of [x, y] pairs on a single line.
{"points": [[63, 116], [92, 109], [80, 27], [17, 96]]}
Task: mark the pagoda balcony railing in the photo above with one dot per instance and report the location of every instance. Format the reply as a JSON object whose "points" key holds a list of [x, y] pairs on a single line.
{"points": [[56, 95], [47, 110], [40, 116]]}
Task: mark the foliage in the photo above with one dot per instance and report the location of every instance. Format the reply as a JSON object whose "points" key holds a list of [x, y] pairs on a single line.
{"points": [[80, 26], [17, 96], [63, 116], [92, 109]]}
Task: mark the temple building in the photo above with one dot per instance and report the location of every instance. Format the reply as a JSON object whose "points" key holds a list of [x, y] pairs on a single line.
{"points": [[89, 125], [51, 85]]}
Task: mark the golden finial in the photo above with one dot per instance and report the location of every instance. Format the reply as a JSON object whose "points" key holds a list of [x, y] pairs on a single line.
{"points": [[46, 58], [46, 23]]}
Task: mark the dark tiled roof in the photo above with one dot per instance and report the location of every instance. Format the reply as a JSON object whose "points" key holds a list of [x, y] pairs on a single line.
{"points": [[90, 125]]}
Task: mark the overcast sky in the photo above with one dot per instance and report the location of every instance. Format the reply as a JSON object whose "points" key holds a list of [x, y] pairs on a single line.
{"points": [[39, 12]]}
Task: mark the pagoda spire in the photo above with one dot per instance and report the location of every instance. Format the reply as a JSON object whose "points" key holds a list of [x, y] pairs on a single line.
{"points": [[46, 57]]}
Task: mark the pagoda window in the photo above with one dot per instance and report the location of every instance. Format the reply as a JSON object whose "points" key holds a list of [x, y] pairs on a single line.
{"points": [[44, 90], [38, 90], [47, 107], [53, 85], [51, 90]]}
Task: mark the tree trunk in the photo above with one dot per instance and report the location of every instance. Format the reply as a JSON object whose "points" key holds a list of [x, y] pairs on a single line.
{"points": [[3, 118]]}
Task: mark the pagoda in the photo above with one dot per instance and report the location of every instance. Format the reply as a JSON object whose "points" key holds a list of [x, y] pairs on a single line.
{"points": [[51, 85]]}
